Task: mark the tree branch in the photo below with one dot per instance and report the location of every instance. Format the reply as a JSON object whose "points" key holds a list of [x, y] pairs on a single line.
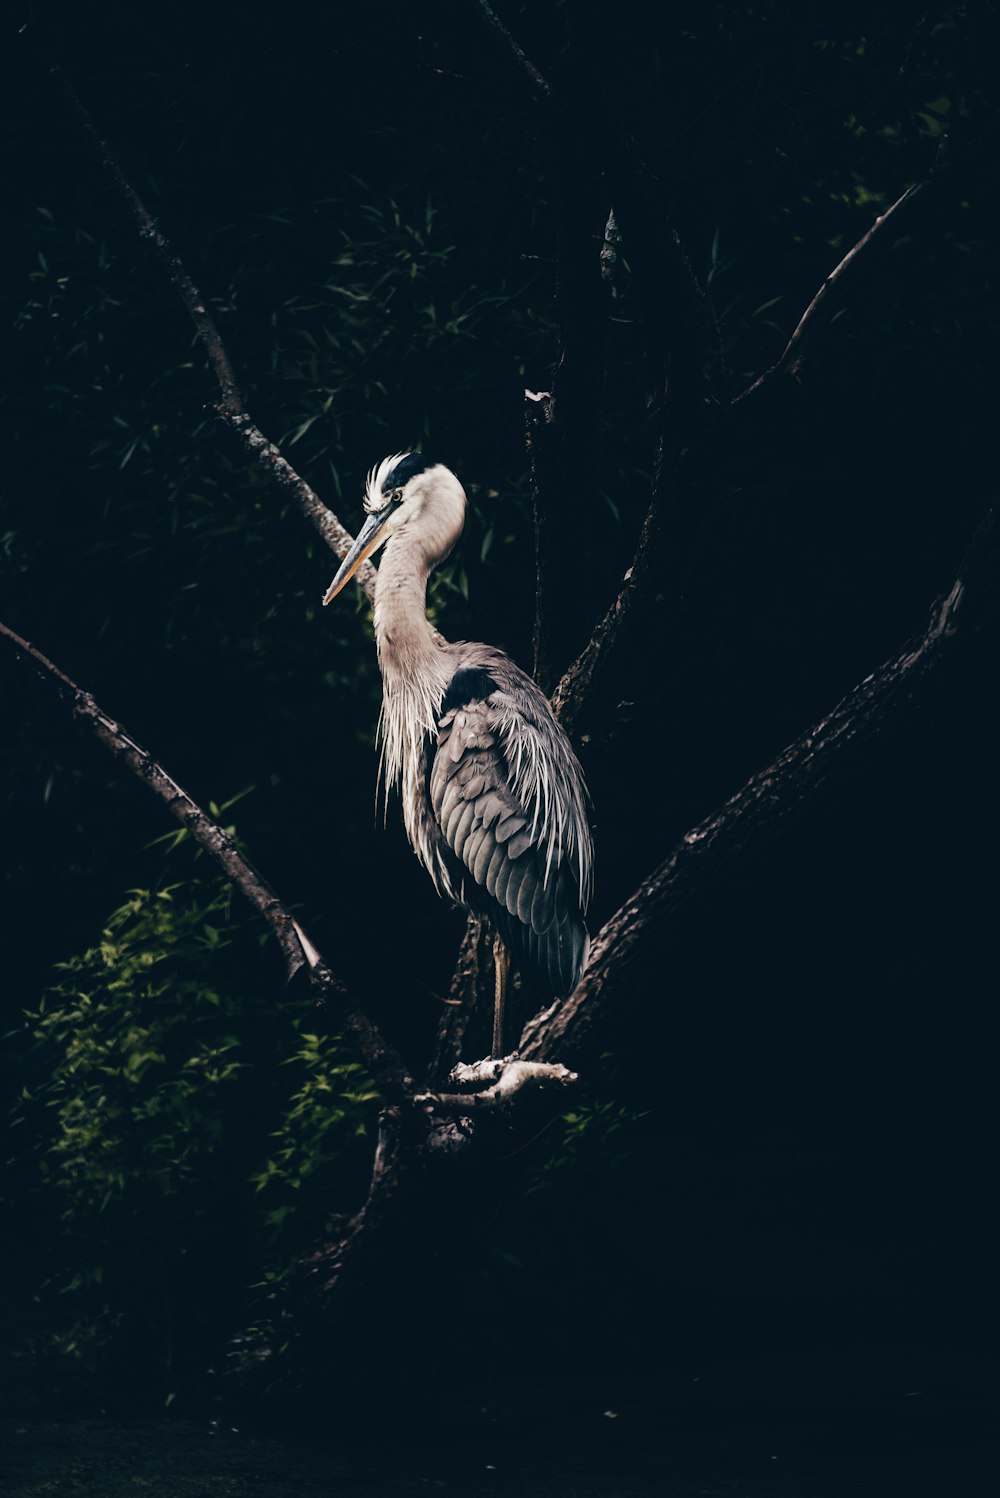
{"points": [[558, 423], [764, 807], [386, 1068], [231, 408], [325, 1269], [572, 690], [442, 1127], [896, 220], [594, 151], [495, 1083], [472, 981], [576, 684], [519, 65]]}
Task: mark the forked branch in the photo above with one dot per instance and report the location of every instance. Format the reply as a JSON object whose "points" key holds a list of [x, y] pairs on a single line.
{"points": [[763, 807], [618, 971]]}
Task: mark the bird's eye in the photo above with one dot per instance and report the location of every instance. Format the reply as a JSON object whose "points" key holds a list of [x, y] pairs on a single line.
{"points": [[395, 496]]}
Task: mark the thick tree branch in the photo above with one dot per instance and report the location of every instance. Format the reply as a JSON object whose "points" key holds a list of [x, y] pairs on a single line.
{"points": [[231, 407], [443, 1126], [764, 806], [385, 1067], [495, 1083]]}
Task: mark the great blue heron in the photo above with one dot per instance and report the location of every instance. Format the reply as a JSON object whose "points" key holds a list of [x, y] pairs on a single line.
{"points": [[494, 801]]}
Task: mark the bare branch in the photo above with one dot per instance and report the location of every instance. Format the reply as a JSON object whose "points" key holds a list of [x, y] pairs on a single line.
{"points": [[763, 807], [385, 1067], [149, 230], [896, 220], [231, 409], [336, 536], [472, 982], [575, 686], [572, 690], [520, 65], [620, 959]]}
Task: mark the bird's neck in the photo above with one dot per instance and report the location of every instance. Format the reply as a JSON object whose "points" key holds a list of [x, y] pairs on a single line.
{"points": [[412, 657], [408, 644]]}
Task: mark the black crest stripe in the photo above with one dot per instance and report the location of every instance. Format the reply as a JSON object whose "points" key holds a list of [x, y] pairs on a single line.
{"points": [[405, 470]]}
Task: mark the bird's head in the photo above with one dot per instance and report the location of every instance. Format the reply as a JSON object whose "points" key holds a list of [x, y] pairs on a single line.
{"points": [[412, 491]]}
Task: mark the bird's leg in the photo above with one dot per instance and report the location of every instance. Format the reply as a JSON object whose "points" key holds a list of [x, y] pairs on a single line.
{"points": [[501, 968]]}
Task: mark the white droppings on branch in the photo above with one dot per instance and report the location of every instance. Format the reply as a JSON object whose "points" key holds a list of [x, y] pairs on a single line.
{"points": [[479, 1073], [509, 1075], [534, 1074]]}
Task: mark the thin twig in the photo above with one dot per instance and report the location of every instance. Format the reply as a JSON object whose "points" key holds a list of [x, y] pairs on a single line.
{"points": [[886, 228], [538, 87], [574, 687], [593, 149], [571, 692], [384, 1065]]}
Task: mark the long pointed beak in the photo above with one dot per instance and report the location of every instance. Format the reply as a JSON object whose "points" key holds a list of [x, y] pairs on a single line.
{"points": [[369, 539]]}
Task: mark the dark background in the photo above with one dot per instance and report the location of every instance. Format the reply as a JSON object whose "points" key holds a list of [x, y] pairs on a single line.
{"points": [[788, 1152]]}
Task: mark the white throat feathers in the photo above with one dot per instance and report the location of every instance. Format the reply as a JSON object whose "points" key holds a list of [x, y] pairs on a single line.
{"points": [[412, 655]]}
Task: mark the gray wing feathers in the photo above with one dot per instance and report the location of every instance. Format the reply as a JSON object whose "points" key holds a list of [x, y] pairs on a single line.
{"points": [[508, 798], [508, 825], [491, 878], [463, 825], [525, 893], [518, 844]]}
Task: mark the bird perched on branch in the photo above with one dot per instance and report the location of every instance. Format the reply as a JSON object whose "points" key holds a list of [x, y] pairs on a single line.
{"points": [[494, 801]]}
